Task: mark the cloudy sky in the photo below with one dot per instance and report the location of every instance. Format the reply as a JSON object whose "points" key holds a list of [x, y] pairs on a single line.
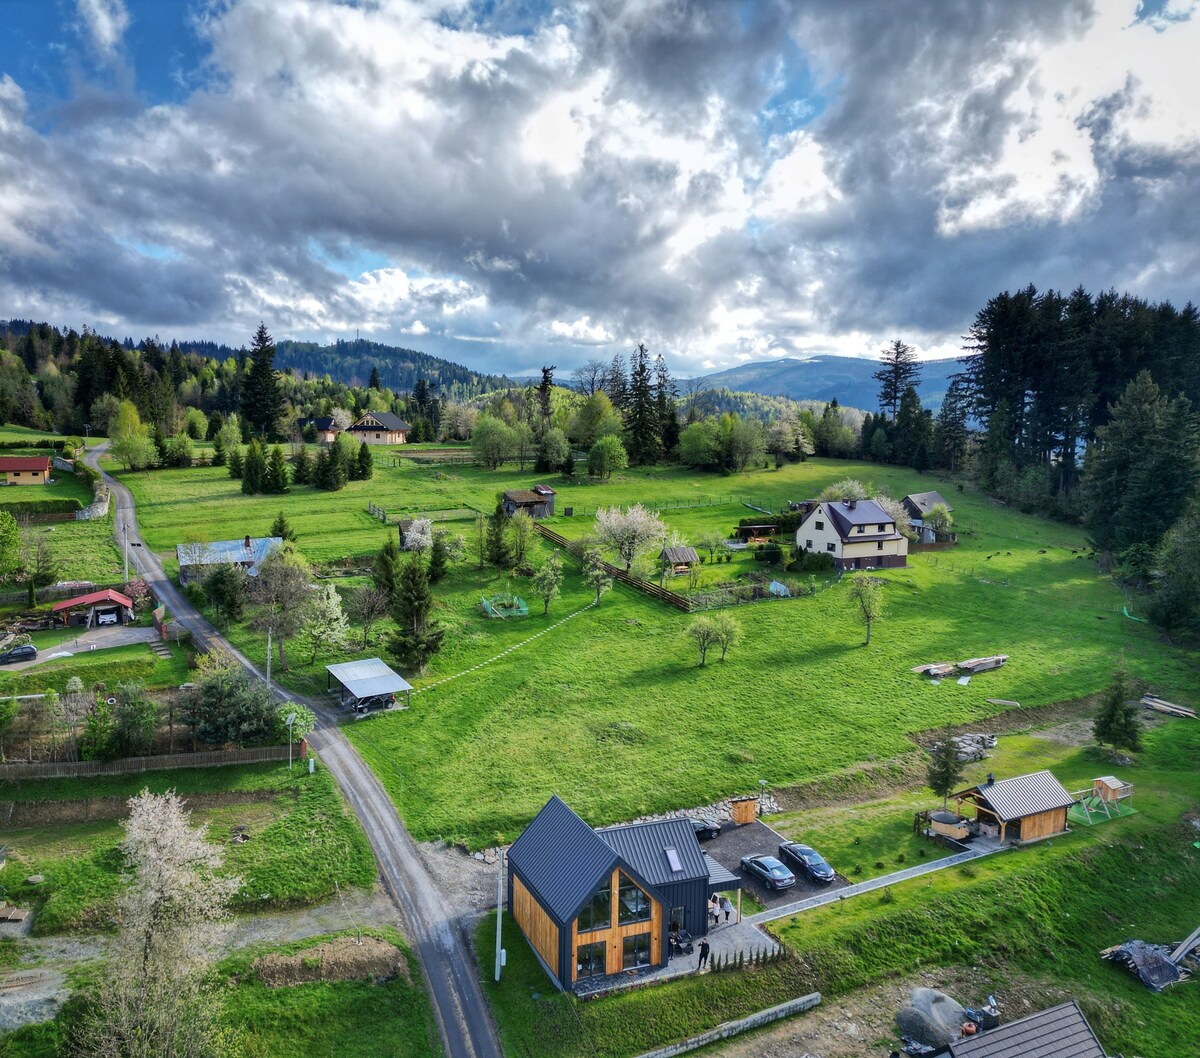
{"points": [[507, 182]]}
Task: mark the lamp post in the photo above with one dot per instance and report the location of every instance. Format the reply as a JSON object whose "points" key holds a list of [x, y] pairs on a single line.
{"points": [[290, 720], [762, 796], [125, 534]]}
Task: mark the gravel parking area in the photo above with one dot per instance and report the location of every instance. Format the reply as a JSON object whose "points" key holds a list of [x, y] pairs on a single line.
{"points": [[758, 839]]}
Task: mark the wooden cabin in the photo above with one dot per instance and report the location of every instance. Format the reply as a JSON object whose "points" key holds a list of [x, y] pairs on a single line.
{"points": [[381, 428], [594, 903], [1023, 809], [537, 502]]}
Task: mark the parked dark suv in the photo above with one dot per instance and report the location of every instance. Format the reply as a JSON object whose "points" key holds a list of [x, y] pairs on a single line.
{"points": [[25, 652]]}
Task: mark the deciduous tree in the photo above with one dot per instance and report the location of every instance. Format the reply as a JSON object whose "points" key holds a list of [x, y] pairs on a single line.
{"points": [[606, 455], [866, 600], [368, 606], [629, 533], [547, 581], [281, 594], [704, 634], [324, 628]]}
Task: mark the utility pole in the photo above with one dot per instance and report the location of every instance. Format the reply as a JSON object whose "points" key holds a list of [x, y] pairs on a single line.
{"points": [[268, 658], [291, 719], [125, 530], [499, 910]]}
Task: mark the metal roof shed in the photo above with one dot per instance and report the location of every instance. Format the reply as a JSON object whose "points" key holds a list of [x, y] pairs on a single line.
{"points": [[361, 681], [1059, 1032]]}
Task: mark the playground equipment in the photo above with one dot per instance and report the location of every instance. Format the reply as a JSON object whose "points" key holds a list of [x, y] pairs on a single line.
{"points": [[1109, 798], [504, 605]]}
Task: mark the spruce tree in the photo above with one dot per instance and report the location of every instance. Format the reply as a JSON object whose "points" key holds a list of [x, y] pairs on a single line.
{"points": [[1118, 723], [545, 388], [641, 420], [319, 473], [664, 406], [218, 454], [254, 471], [366, 464], [898, 371], [262, 401], [944, 770], [302, 467], [281, 529], [439, 557], [385, 573], [374, 382], [951, 433], [499, 553], [616, 385], [236, 463], [418, 636], [277, 473]]}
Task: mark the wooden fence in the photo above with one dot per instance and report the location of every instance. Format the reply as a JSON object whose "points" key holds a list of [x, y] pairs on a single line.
{"points": [[133, 765], [618, 574]]}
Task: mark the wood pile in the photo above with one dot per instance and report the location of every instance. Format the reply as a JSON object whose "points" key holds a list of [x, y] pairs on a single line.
{"points": [[1161, 705]]}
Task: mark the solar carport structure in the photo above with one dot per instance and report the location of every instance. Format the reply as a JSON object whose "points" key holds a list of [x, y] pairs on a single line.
{"points": [[367, 684]]}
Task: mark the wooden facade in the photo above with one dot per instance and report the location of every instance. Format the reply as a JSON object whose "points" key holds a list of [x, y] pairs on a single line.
{"points": [[615, 935], [538, 926]]}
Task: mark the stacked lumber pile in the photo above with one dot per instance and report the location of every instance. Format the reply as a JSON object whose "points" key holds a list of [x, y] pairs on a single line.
{"points": [[1161, 705]]}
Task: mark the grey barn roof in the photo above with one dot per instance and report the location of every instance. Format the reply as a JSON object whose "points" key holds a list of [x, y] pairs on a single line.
{"points": [[864, 513], [365, 679], [1059, 1032], [643, 846], [921, 503], [561, 859], [228, 552], [679, 555], [1025, 795]]}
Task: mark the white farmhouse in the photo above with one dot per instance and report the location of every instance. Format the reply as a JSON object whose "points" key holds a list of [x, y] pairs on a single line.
{"points": [[859, 534]]}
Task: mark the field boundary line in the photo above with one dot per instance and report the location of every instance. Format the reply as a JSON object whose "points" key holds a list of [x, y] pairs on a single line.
{"points": [[507, 650]]}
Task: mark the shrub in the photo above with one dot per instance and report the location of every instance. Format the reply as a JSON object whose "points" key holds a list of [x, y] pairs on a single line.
{"points": [[858, 869], [880, 865], [900, 858]]}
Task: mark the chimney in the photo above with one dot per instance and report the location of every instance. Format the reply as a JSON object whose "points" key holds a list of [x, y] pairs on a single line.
{"points": [[852, 504], [247, 543], [990, 779]]}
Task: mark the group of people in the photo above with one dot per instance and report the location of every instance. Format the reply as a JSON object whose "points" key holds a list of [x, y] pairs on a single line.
{"points": [[718, 905]]}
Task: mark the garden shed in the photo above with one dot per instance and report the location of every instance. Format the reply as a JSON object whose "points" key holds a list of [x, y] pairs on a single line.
{"points": [[367, 684], [1024, 808], [105, 607], [537, 502], [1059, 1032], [25, 470], [678, 560]]}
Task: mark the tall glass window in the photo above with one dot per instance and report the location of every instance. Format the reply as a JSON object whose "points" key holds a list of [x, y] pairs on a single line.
{"points": [[633, 905], [636, 951], [589, 959], [597, 912]]}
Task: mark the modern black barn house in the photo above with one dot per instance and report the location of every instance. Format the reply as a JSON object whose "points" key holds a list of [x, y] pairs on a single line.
{"points": [[596, 902]]}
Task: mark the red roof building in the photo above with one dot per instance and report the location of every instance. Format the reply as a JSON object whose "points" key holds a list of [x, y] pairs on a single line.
{"points": [[25, 470]]}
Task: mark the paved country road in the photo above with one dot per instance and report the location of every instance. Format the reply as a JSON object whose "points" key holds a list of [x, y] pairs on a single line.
{"points": [[438, 937]]}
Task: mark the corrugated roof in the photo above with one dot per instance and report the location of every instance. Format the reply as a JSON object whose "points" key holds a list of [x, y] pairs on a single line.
{"points": [[107, 595], [1025, 795], [365, 679], [525, 496], [924, 502], [1060, 1032], [561, 859], [678, 555], [222, 552], [386, 420], [24, 463], [643, 846]]}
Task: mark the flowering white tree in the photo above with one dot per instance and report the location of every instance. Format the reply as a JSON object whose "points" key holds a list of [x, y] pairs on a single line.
{"points": [[154, 998], [629, 533], [325, 626], [419, 536]]}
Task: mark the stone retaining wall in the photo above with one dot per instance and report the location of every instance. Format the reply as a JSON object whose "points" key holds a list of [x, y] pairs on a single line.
{"points": [[732, 1028]]}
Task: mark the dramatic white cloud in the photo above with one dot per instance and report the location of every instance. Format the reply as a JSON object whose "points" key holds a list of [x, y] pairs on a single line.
{"points": [[725, 182]]}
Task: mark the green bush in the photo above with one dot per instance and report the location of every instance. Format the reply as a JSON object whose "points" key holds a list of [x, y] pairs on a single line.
{"points": [[65, 505]]}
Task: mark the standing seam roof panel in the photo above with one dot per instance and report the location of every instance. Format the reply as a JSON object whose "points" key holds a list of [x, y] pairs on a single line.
{"points": [[643, 845], [1059, 1032]]}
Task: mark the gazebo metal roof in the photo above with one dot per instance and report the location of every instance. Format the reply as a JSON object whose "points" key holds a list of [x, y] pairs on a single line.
{"points": [[365, 679]]}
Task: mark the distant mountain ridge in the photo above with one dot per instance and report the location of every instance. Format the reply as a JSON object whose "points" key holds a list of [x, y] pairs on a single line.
{"points": [[844, 378]]}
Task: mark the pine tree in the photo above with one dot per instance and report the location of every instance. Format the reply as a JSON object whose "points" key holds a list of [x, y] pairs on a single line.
{"points": [[366, 464], [641, 420], [262, 401], [951, 431], [236, 463], [374, 382], [281, 529], [1118, 723], [385, 573], [218, 455], [899, 370], [254, 471], [276, 480], [545, 388], [418, 636], [616, 385], [664, 406]]}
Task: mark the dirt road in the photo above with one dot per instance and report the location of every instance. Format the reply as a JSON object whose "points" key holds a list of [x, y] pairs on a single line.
{"points": [[438, 935]]}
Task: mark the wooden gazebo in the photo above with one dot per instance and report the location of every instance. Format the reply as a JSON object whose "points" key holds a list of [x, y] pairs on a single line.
{"points": [[1024, 808]]}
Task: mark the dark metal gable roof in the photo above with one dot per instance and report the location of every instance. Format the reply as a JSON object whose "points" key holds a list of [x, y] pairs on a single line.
{"points": [[1060, 1032], [560, 859], [386, 420], [920, 504], [643, 847], [864, 512]]}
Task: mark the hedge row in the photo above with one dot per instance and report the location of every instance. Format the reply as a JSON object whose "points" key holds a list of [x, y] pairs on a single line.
{"points": [[55, 506], [41, 442]]}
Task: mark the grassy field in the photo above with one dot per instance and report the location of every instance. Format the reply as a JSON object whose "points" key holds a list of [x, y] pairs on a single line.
{"points": [[1046, 910], [63, 486], [610, 710], [118, 665], [350, 1019], [303, 841]]}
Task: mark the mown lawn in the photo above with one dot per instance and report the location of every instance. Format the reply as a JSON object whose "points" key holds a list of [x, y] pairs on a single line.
{"points": [[304, 841], [350, 1019], [1046, 910], [610, 710], [110, 667]]}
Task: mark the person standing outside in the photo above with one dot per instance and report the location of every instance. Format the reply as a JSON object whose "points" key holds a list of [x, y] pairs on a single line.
{"points": [[703, 955], [727, 907]]}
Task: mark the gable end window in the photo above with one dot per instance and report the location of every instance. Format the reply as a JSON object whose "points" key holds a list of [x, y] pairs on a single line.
{"points": [[820, 526], [829, 547], [883, 528], [633, 905], [597, 912]]}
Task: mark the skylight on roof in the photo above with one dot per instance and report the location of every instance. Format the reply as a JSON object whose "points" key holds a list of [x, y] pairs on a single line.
{"points": [[673, 859]]}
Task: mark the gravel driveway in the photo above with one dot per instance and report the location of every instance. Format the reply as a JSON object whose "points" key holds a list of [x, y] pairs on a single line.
{"points": [[758, 839]]}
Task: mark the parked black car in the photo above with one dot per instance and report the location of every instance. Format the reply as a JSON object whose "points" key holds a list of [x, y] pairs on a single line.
{"points": [[808, 859], [769, 871], [705, 828], [25, 652]]}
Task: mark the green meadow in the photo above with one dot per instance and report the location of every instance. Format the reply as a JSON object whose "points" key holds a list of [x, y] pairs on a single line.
{"points": [[610, 710]]}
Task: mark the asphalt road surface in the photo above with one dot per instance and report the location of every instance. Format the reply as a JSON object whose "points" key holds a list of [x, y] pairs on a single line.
{"points": [[438, 937]]}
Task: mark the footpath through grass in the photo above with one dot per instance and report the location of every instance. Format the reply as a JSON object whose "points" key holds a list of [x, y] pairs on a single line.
{"points": [[303, 841]]}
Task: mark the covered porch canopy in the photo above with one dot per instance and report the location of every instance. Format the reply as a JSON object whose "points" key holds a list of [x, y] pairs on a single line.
{"points": [[365, 683], [723, 880], [97, 602]]}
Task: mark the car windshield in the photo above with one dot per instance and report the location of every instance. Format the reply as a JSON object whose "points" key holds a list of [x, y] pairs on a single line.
{"points": [[771, 864]]}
